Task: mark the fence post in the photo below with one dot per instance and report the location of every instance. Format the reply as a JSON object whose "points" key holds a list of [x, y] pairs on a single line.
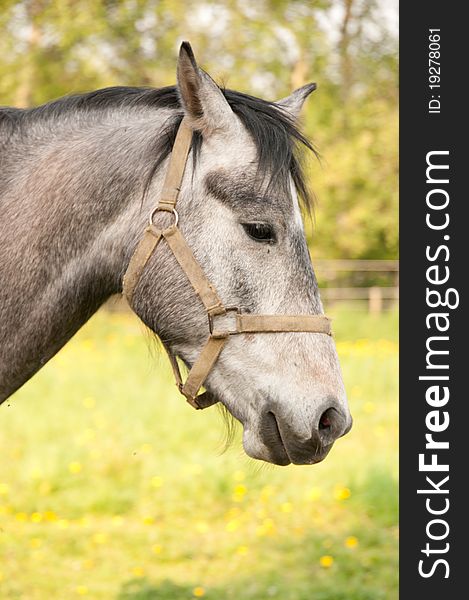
{"points": [[375, 300]]}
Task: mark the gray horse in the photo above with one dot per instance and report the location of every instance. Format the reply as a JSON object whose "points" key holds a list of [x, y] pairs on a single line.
{"points": [[78, 178]]}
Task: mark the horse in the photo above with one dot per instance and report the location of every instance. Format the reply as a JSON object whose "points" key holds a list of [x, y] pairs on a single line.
{"points": [[78, 178]]}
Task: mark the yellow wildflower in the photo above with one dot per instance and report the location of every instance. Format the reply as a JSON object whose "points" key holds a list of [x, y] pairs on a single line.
{"points": [[314, 493], [239, 492], [326, 561], [36, 517], [342, 493], [156, 482], [81, 590], [21, 516], [99, 538], [74, 468], [198, 592], [232, 525], [351, 542], [232, 513]]}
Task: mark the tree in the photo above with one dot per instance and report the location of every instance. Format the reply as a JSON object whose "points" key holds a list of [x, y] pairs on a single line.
{"points": [[49, 48]]}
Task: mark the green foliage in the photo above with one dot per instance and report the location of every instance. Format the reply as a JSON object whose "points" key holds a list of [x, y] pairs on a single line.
{"points": [[357, 208], [49, 48], [111, 486]]}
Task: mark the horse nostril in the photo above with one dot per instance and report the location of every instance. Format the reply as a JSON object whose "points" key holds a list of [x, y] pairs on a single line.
{"points": [[325, 420], [331, 424]]}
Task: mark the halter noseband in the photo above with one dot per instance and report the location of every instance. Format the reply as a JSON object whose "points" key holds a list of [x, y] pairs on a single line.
{"points": [[223, 321]]}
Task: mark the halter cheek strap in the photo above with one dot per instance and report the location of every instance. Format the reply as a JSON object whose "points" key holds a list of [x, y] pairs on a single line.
{"points": [[223, 321]]}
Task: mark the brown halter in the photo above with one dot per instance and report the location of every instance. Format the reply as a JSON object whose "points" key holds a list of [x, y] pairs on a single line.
{"points": [[233, 321]]}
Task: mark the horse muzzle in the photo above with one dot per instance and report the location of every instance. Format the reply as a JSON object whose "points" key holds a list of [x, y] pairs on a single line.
{"points": [[276, 440]]}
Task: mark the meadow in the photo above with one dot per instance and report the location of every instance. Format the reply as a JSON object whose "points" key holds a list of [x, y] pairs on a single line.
{"points": [[112, 487]]}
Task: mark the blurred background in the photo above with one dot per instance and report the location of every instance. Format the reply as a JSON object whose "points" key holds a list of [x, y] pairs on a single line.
{"points": [[110, 485]]}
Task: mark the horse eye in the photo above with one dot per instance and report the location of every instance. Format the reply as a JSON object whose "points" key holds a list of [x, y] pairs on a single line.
{"points": [[261, 232]]}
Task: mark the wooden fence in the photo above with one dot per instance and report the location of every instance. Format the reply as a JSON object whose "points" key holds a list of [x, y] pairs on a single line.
{"points": [[348, 281]]}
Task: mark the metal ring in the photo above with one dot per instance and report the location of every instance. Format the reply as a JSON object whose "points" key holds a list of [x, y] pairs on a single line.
{"points": [[173, 211]]}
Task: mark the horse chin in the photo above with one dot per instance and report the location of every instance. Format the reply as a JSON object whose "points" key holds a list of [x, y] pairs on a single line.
{"points": [[264, 441], [274, 452]]}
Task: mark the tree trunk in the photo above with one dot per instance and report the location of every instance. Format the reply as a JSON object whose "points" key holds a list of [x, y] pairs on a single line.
{"points": [[346, 70], [24, 94]]}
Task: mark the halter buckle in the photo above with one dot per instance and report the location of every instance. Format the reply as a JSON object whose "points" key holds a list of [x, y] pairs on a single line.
{"points": [[222, 333]]}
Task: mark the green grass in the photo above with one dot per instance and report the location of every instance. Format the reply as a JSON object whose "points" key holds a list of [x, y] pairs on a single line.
{"points": [[111, 486]]}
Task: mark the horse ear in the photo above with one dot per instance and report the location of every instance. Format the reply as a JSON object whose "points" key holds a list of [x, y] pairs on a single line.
{"points": [[294, 102], [202, 100]]}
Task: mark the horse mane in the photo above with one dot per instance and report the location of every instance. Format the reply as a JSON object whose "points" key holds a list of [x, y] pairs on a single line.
{"points": [[278, 140]]}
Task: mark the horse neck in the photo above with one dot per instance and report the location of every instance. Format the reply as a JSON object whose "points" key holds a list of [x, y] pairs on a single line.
{"points": [[72, 213]]}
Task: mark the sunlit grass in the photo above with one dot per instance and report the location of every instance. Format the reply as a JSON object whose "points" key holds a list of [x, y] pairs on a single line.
{"points": [[111, 486]]}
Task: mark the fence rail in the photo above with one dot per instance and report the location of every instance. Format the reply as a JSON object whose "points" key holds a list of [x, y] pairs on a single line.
{"points": [[357, 265], [340, 279]]}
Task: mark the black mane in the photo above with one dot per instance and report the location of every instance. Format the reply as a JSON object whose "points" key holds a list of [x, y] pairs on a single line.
{"points": [[274, 132]]}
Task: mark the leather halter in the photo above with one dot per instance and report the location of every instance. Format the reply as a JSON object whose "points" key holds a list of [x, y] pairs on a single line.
{"points": [[223, 321]]}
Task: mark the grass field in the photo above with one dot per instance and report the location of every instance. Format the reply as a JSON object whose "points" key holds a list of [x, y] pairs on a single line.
{"points": [[111, 486]]}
